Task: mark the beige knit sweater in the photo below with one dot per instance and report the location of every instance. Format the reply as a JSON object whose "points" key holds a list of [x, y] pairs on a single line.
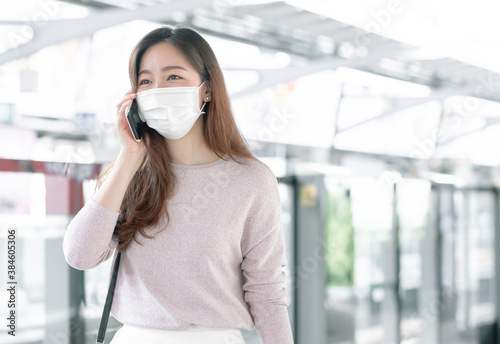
{"points": [[218, 263]]}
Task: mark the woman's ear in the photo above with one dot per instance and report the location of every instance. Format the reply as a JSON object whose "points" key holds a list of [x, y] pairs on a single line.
{"points": [[208, 92]]}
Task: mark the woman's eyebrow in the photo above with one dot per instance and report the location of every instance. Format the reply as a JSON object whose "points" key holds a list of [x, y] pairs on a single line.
{"points": [[164, 69]]}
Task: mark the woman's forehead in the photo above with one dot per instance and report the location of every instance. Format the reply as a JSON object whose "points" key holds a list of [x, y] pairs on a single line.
{"points": [[162, 55]]}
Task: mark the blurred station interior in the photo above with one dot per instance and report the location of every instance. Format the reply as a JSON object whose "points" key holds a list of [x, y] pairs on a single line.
{"points": [[380, 120]]}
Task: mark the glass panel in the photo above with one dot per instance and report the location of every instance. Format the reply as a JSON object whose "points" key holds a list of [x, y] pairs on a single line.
{"points": [[474, 269], [481, 259], [339, 261], [361, 300], [449, 199], [413, 205]]}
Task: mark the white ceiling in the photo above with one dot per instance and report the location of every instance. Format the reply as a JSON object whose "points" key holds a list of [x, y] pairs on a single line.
{"points": [[464, 30]]}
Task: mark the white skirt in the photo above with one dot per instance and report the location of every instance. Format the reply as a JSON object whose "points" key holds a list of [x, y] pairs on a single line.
{"points": [[130, 334]]}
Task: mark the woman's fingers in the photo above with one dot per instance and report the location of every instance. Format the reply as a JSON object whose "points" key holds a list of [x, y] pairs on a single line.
{"points": [[127, 96], [124, 106]]}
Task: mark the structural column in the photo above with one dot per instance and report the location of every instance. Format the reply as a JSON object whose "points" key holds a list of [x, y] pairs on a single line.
{"points": [[310, 271]]}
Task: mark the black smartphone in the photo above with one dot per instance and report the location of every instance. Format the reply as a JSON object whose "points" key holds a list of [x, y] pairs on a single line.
{"points": [[134, 121]]}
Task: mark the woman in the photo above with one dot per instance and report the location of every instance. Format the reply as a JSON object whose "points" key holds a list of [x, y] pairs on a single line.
{"points": [[196, 216]]}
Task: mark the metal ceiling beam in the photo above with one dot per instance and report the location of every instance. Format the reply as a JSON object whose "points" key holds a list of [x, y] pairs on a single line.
{"points": [[236, 29], [358, 37], [267, 12], [297, 20], [58, 31], [323, 26], [14, 22], [272, 77], [91, 4]]}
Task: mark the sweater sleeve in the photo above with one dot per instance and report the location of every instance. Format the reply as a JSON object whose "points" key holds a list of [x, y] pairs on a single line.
{"points": [[264, 258], [88, 239]]}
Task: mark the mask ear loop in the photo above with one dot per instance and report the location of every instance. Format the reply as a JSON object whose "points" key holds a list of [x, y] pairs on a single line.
{"points": [[204, 103], [201, 110]]}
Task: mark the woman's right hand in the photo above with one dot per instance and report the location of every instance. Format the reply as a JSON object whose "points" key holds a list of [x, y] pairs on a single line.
{"points": [[129, 146], [112, 191]]}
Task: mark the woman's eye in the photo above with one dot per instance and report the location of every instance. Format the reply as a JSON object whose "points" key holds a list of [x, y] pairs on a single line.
{"points": [[145, 81], [173, 77]]}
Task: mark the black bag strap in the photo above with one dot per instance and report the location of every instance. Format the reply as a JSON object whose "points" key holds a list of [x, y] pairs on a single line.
{"points": [[109, 300]]}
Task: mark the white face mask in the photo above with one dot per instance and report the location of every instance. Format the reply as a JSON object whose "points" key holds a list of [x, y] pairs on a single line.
{"points": [[171, 111]]}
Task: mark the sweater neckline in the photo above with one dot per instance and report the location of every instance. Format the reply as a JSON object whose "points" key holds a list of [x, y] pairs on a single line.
{"points": [[196, 167]]}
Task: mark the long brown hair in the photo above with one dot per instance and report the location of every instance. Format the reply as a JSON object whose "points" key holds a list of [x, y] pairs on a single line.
{"points": [[146, 197]]}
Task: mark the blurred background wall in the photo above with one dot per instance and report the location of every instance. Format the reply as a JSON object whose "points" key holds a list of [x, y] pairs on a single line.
{"points": [[379, 118]]}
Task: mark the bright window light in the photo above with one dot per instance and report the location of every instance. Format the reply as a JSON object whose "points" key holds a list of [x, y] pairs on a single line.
{"points": [[16, 143], [477, 147], [232, 54], [473, 107], [301, 112], [355, 110], [239, 80], [330, 170], [410, 133]]}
